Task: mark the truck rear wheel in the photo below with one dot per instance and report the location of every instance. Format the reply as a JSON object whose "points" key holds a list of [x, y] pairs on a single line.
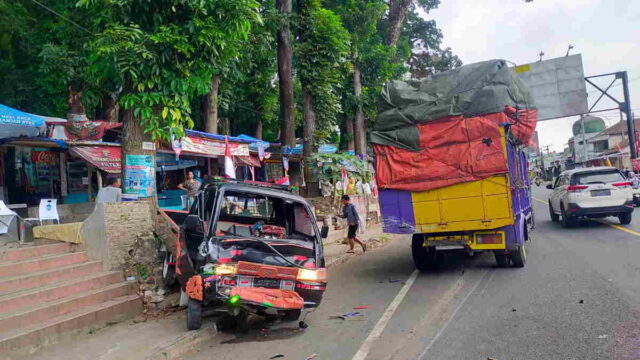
{"points": [[519, 257], [502, 259], [423, 257]]}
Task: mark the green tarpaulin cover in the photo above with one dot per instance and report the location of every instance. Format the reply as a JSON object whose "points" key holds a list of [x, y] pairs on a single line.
{"points": [[474, 89]]}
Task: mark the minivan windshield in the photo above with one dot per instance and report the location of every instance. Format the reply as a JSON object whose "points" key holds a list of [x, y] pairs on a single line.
{"points": [[597, 177], [268, 217]]}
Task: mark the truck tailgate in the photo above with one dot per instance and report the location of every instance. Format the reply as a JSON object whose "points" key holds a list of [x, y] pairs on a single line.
{"points": [[476, 205]]}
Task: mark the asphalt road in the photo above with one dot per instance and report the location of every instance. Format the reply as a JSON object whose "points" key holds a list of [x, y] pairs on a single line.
{"points": [[577, 298]]}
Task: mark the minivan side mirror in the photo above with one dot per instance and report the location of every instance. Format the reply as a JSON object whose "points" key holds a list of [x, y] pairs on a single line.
{"points": [[550, 186], [324, 231], [192, 223]]}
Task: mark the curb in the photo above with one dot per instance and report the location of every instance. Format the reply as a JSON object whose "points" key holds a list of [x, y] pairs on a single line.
{"points": [[184, 343], [341, 259]]}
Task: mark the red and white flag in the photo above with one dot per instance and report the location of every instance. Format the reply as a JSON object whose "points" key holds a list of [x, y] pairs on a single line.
{"points": [[229, 168]]}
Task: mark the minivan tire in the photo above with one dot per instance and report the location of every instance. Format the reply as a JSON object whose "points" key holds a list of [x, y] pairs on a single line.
{"points": [[625, 218], [194, 314]]}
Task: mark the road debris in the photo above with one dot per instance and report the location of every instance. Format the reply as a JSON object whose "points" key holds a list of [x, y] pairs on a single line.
{"points": [[603, 336], [581, 301], [362, 307], [277, 356], [312, 356], [513, 310]]}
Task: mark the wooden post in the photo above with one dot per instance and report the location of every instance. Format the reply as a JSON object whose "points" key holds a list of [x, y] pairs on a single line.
{"points": [[99, 178], [89, 189]]}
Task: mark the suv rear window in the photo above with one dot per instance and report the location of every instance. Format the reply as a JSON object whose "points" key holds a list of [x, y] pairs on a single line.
{"points": [[597, 177]]}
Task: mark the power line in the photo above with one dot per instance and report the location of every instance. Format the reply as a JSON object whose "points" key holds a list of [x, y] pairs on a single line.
{"points": [[62, 16]]}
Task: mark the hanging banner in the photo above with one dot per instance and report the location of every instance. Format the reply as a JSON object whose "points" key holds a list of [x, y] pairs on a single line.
{"points": [[105, 158], [140, 177], [212, 148]]}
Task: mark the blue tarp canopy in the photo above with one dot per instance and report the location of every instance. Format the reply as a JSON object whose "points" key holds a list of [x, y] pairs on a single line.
{"points": [[218, 137], [322, 149], [168, 162], [15, 123], [255, 142]]}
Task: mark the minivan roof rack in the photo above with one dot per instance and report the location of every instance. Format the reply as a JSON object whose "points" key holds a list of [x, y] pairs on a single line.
{"points": [[211, 180]]}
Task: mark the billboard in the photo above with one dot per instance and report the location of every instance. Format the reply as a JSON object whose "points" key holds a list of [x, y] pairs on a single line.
{"points": [[557, 86]]}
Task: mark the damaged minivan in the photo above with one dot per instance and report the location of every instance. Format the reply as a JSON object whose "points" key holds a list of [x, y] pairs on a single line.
{"points": [[249, 247]]}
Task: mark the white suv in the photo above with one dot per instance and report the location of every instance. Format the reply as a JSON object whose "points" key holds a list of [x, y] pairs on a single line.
{"points": [[590, 192]]}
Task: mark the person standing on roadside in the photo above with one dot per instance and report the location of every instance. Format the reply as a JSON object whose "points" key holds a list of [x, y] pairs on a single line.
{"points": [[350, 213], [191, 186], [111, 192]]}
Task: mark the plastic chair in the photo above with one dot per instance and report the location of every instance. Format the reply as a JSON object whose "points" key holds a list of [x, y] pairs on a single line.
{"points": [[48, 210], [6, 217]]}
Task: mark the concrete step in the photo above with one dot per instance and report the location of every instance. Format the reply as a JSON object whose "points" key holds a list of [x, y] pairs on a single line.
{"points": [[27, 297], [30, 252], [36, 279], [27, 340], [43, 263], [30, 315]]}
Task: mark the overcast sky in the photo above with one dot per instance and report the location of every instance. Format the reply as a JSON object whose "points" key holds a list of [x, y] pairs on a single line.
{"points": [[605, 32]]}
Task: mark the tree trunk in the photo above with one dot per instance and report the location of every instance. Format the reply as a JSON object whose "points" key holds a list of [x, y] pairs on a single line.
{"points": [[348, 124], [111, 108], [285, 76], [258, 133], [309, 145], [225, 127], [397, 14], [360, 130], [132, 137], [211, 106], [74, 99]]}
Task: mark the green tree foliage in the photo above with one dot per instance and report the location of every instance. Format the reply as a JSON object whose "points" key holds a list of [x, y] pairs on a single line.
{"points": [[322, 53], [158, 58], [166, 52]]}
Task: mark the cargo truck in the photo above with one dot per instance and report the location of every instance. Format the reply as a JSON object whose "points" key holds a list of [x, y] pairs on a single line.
{"points": [[450, 163]]}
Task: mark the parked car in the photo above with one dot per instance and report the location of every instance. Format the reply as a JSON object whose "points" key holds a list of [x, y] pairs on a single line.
{"points": [[250, 248], [590, 192]]}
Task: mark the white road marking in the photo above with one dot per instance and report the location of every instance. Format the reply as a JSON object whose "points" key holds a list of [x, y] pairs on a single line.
{"points": [[384, 320], [453, 315]]}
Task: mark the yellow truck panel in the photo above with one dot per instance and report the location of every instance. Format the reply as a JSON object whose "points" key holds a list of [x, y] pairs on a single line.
{"points": [[476, 205]]}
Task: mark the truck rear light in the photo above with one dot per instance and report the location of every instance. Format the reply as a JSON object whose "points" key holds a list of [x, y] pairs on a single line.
{"points": [[576, 188], [236, 252], [489, 238], [622, 184]]}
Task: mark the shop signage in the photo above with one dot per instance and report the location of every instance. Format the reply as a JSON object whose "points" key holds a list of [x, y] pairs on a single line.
{"points": [[43, 157], [140, 178], [106, 158], [211, 147]]}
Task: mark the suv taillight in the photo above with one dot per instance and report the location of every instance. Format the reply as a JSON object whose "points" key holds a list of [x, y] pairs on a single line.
{"points": [[622, 184], [576, 188]]}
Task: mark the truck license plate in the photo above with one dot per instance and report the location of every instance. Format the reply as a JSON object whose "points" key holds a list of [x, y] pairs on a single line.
{"points": [[603, 192]]}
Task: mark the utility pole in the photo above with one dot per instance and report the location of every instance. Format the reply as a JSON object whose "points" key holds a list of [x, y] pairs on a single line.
{"points": [[584, 140], [626, 108]]}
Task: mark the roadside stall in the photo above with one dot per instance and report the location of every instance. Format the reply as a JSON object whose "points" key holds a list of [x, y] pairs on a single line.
{"points": [[200, 152], [90, 163]]}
